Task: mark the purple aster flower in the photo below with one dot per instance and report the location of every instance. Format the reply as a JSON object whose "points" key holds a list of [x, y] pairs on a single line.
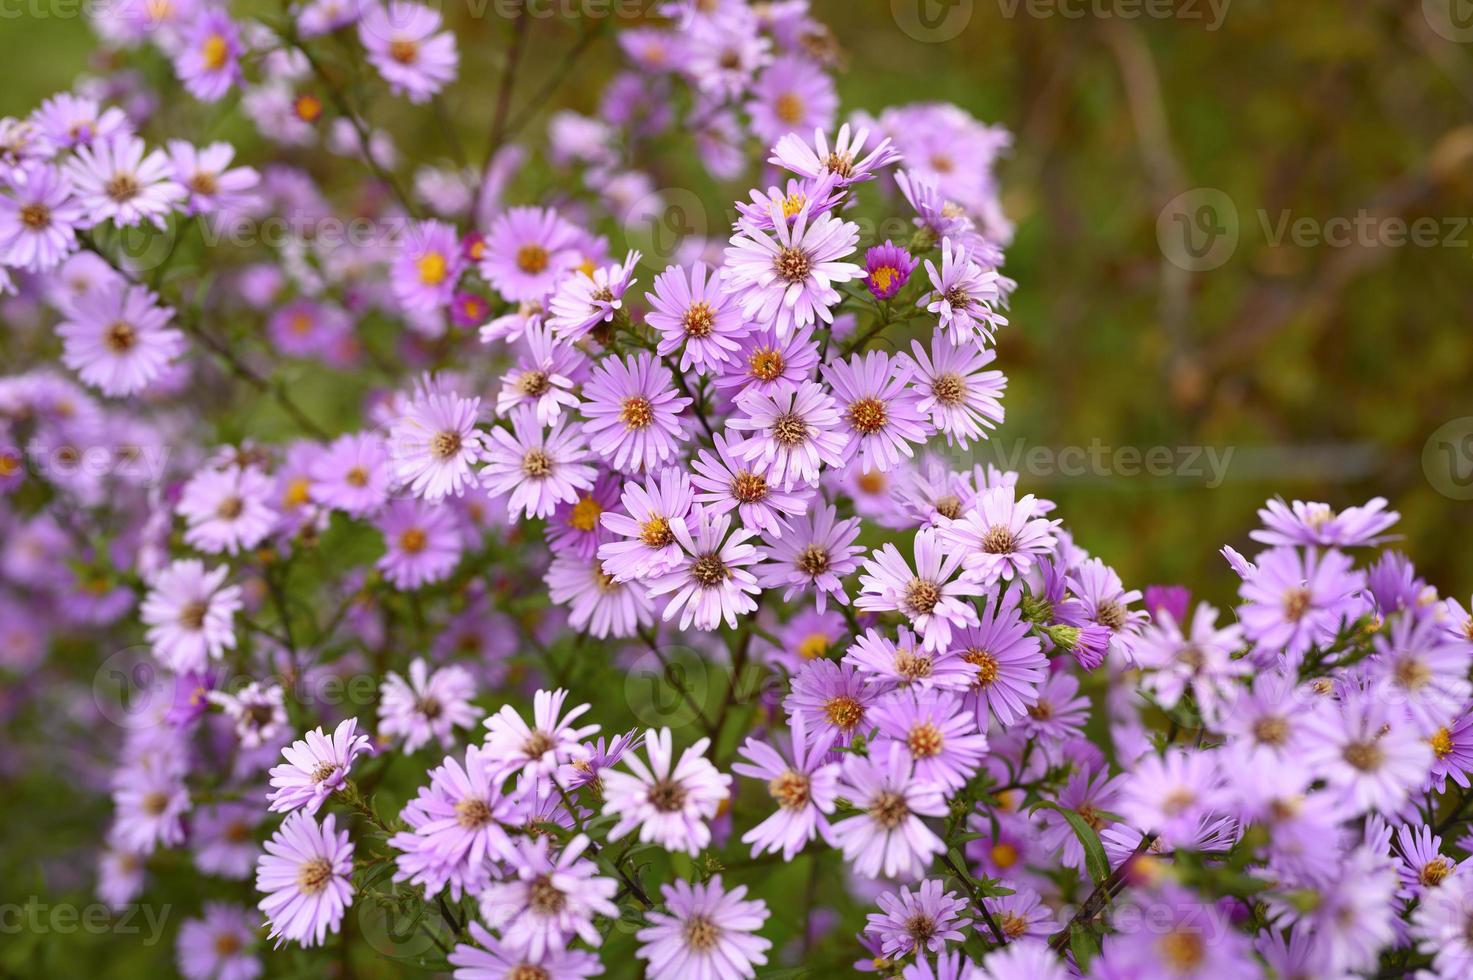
{"points": [[795, 430], [791, 95], [582, 302], [1059, 713], [426, 704], [423, 543], [259, 712], [843, 161], [963, 296], [1452, 751], [939, 733], [305, 875], [1440, 927], [549, 899], [1170, 794], [533, 469], [634, 412], [576, 528], [511, 326], [427, 266], [306, 328], [704, 931], [223, 836], [190, 615], [726, 482], [1028, 958], [1354, 918], [1419, 667], [527, 251], [220, 945], [879, 409], [1188, 939], [226, 509], [1295, 600], [786, 278], [890, 664], [807, 636], [761, 212], [962, 400], [540, 748], [543, 377], [352, 475], [1000, 536], [929, 597], [118, 339], [456, 825], [434, 441], [767, 362], [805, 790], [405, 44], [1200, 661], [214, 187], [921, 921], [209, 62], [602, 754], [1423, 865], [150, 801], [316, 767], [711, 582], [1008, 658], [813, 555], [887, 269], [889, 837], [496, 960], [648, 547], [1087, 794], [598, 603], [38, 219], [1367, 753], [695, 316], [1303, 523], [117, 180], [66, 121], [120, 876], [669, 800], [832, 699]]}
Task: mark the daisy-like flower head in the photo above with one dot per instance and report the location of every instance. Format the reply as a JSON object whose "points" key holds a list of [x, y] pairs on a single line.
{"points": [[890, 837], [214, 187], [1423, 865], [791, 95], [1170, 794], [119, 180], [209, 62], [190, 615], [1000, 536], [695, 316], [1420, 667], [259, 712], [727, 482], [842, 161], [1368, 753], [1200, 661], [427, 266], [494, 959], [762, 209], [634, 412], [1303, 523], [599, 603], [536, 470], [887, 269], [223, 838], [938, 732], [226, 509], [1440, 926], [786, 277], [549, 899], [724, 52], [804, 790], [814, 555], [540, 748], [921, 921], [543, 377], [879, 409], [903, 662], [305, 875], [423, 543], [930, 597], [669, 801], [527, 251], [66, 121], [150, 801], [583, 302], [118, 339], [833, 699], [575, 528], [434, 441], [647, 546], [704, 931], [38, 219], [794, 431], [405, 44], [1293, 600], [426, 704], [1008, 658], [767, 362], [316, 767], [1099, 599], [962, 400], [353, 475], [218, 946], [964, 296], [711, 583]]}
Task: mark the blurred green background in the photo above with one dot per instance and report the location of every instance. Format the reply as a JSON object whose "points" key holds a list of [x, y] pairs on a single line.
{"points": [[1325, 370]]}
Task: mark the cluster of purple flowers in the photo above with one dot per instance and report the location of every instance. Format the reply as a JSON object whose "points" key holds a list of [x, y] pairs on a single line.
{"points": [[1012, 762]]}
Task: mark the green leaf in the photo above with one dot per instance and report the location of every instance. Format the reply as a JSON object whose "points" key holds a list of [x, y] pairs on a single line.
{"points": [[1084, 944], [1094, 852]]}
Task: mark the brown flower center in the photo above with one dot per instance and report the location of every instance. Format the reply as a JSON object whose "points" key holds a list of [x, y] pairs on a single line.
{"points": [[230, 508], [532, 259], [748, 487], [765, 363], [1365, 756], [445, 444], [123, 188], [999, 540], [699, 320], [793, 265], [545, 898], [949, 389], [35, 216], [656, 533], [701, 934], [844, 712], [709, 570], [192, 616], [403, 51], [1183, 951], [667, 796], [538, 744], [922, 595], [120, 337], [1271, 730], [472, 813], [925, 741], [789, 430], [536, 463], [1296, 604], [889, 810], [413, 541], [867, 416], [813, 561], [789, 789], [986, 668], [637, 412], [313, 876], [533, 384]]}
